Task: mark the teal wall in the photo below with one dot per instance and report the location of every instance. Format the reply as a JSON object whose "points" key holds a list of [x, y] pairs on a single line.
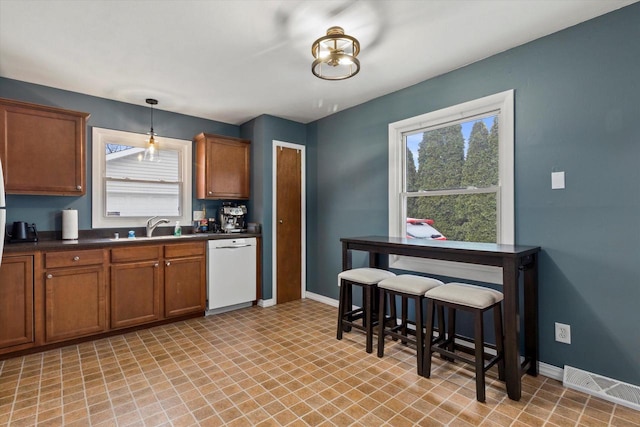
{"points": [[262, 131], [44, 211], [576, 95], [577, 98]]}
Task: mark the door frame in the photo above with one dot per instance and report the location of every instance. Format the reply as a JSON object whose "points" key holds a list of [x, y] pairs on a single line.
{"points": [[274, 220]]}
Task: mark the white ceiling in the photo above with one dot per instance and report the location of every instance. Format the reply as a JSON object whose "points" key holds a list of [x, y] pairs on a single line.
{"points": [[233, 60]]}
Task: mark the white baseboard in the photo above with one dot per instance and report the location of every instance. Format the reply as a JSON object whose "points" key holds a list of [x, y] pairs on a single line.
{"points": [[550, 371], [266, 302], [321, 298]]}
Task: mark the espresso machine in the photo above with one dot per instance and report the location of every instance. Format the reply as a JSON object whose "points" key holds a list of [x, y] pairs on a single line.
{"points": [[233, 218]]}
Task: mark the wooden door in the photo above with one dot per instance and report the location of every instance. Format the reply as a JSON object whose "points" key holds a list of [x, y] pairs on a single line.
{"points": [[135, 293], [222, 167], [289, 224], [16, 301], [184, 286], [75, 303], [42, 149]]}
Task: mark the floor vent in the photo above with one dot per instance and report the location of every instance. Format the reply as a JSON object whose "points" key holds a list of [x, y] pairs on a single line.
{"points": [[606, 388]]}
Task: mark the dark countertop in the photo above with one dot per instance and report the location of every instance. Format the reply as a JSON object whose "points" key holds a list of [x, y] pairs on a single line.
{"points": [[104, 242]]}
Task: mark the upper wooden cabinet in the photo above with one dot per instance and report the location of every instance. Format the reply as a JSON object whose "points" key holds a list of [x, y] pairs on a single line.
{"points": [[222, 167], [42, 149]]}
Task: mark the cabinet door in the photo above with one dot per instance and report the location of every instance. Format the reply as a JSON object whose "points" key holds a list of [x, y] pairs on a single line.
{"points": [[135, 293], [223, 167], [16, 301], [75, 303], [184, 286], [42, 149]]}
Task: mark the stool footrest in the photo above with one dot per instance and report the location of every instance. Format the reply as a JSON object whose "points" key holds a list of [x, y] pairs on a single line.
{"points": [[439, 347]]}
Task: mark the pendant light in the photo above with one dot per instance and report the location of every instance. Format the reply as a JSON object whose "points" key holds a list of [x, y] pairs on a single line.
{"points": [[335, 55], [151, 153]]}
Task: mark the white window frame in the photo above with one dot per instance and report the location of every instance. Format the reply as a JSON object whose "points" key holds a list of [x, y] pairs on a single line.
{"points": [[501, 104], [100, 137]]}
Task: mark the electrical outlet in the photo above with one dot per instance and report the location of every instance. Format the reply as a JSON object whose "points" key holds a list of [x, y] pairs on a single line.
{"points": [[563, 333]]}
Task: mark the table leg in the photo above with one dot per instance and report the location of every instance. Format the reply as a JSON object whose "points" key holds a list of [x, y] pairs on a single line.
{"points": [[346, 257], [531, 314], [511, 341]]}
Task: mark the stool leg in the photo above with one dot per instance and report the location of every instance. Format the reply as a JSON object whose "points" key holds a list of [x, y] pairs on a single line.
{"points": [[393, 315], [441, 332], [497, 321], [479, 353], [419, 334], [341, 308], [392, 309], [405, 317], [426, 357], [381, 320], [368, 315], [451, 333]]}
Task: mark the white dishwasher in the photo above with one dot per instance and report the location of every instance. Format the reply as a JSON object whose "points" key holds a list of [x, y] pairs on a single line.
{"points": [[231, 274]]}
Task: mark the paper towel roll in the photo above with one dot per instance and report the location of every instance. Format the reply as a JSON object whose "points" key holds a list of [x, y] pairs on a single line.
{"points": [[69, 224]]}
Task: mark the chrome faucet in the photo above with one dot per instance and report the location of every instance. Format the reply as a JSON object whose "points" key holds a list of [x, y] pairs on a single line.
{"points": [[151, 227]]}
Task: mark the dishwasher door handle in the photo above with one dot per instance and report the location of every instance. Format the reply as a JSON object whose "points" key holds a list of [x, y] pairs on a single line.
{"points": [[232, 247]]}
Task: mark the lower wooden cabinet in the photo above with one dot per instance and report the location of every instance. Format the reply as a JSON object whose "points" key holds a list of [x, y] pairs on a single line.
{"points": [[184, 279], [53, 296], [149, 283], [136, 281], [16, 302], [75, 303]]}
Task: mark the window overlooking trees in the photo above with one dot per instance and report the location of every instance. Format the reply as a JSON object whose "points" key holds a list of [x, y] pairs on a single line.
{"points": [[452, 170]]}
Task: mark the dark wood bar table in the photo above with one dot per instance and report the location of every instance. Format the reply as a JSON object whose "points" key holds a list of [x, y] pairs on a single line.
{"points": [[511, 258]]}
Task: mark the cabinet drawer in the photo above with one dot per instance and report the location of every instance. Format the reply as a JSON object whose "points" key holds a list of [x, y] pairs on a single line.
{"points": [[181, 250], [136, 253], [73, 258]]}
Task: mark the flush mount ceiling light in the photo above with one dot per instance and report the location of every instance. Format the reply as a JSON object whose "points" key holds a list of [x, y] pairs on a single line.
{"points": [[335, 55], [150, 152]]}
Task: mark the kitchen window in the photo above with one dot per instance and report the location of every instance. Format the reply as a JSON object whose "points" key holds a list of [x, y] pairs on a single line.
{"points": [[451, 177], [132, 183]]}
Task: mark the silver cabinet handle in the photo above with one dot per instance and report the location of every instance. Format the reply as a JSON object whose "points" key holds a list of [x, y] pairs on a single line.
{"points": [[78, 187], [156, 265], [280, 221], [76, 258], [49, 276], [168, 263]]}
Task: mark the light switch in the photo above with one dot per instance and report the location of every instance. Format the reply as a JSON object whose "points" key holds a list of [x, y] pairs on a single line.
{"points": [[557, 180]]}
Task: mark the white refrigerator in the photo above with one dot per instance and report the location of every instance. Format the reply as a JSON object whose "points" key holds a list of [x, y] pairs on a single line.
{"points": [[3, 212]]}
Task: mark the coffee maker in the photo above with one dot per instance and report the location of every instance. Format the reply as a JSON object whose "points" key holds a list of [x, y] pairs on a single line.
{"points": [[232, 218]]}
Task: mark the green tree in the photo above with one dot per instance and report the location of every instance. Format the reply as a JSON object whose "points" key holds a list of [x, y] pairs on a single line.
{"points": [[411, 180], [477, 212], [440, 163]]}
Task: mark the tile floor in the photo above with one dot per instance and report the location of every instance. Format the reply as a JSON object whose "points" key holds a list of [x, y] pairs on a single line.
{"points": [[269, 367]]}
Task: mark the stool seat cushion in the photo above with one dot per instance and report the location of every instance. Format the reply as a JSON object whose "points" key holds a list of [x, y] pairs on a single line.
{"points": [[463, 294], [366, 276], [410, 284]]}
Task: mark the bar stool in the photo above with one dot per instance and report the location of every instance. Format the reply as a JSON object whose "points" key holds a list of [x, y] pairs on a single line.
{"points": [[408, 287], [477, 300], [367, 279]]}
